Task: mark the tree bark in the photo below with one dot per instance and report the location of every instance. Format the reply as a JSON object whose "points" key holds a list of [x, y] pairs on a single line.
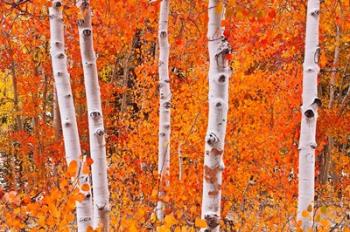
{"points": [[67, 110], [56, 117], [219, 74], [327, 155], [96, 127], [165, 105], [307, 142], [18, 125]]}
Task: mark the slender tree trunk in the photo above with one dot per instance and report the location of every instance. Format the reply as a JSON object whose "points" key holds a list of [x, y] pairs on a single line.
{"points": [[334, 71], [18, 119], [124, 103], [307, 143], [67, 110], [56, 117], [327, 155], [165, 105], [96, 127], [219, 74]]}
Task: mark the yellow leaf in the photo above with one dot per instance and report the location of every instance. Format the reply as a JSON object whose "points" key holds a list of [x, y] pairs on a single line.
{"points": [[153, 218], [201, 223], [219, 7], [317, 218], [170, 220]]}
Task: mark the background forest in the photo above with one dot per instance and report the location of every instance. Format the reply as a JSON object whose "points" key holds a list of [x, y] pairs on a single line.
{"points": [[260, 180]]}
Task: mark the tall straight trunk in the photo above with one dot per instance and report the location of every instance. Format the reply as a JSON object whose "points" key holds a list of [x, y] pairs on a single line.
{"points": [[307, 143], [96, 127], [56, 117], [165, 105], [67, 110], [327, 155], [18, 125], [219, 74]]}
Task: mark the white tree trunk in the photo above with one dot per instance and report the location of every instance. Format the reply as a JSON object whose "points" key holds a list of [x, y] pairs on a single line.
{"points": [[165, 105], [219, 74], [307, 143], [67, 110], [96, 127]]}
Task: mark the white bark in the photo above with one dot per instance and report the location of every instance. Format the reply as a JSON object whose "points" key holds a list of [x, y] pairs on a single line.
{"points": [[96, 127], [307, 143], [219, 74], [67, 110], [165, 104]]}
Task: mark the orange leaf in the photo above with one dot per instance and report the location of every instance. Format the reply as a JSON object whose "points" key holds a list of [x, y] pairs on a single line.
{"points": [[72, 168], [89, 161], [86, 169], [200, 223], [224, 23], [85, 187]]}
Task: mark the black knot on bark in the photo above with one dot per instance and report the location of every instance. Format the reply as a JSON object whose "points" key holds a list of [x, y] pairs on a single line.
{"points": [[100, 132], [212, 220], [85, 219], [80, 22], [57, 4], [84, 3], [309, 113], [222, 78], [60, 56], [95, 114], [212, 139], [162, 34], [167, 105], [86, 32], [318, 102], [315, 12], [166, 126]]}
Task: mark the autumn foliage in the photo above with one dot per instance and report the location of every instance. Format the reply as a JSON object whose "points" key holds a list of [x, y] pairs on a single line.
{"points": [[259, 191]]}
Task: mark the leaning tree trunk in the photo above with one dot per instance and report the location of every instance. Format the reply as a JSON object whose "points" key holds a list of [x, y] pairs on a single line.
{"points": [[307, 143], [67, 110], [219, 74], [165, 105], [96, 127]]}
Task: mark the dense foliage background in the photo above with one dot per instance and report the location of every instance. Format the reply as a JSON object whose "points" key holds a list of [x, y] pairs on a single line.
{"points": [[261, 155]]}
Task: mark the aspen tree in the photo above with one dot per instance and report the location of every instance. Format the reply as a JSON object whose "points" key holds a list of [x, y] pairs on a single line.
{"points": [[165, 105], [307, 142], [326, 163], [219, 74], [67, 110], [96, 126]]}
